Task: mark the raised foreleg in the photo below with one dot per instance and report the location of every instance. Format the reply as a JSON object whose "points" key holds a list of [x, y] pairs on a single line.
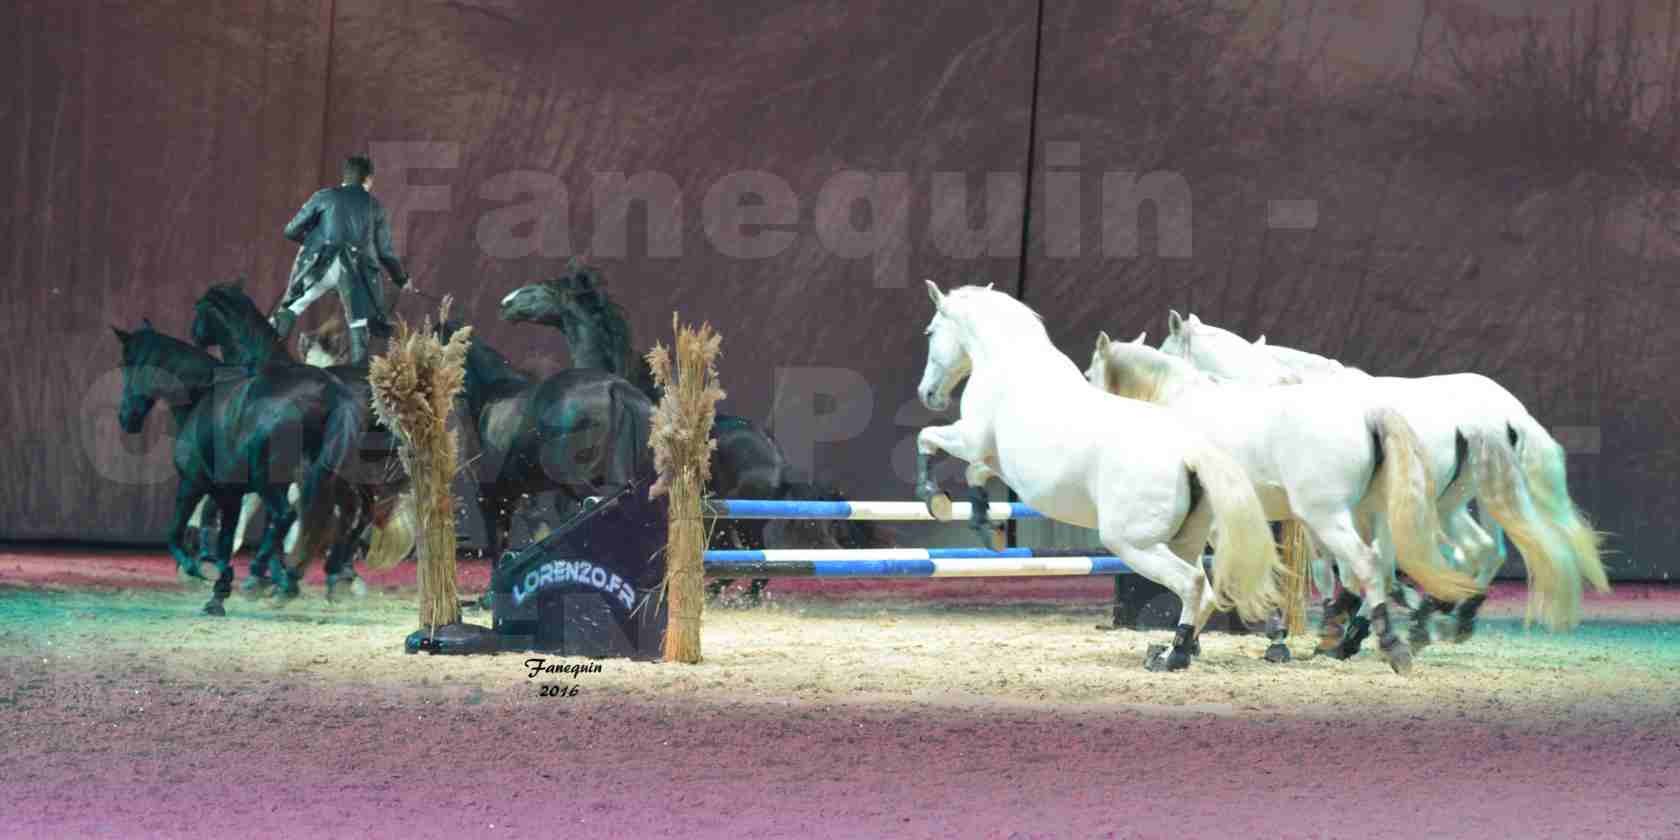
{"points": [[961, 440]]}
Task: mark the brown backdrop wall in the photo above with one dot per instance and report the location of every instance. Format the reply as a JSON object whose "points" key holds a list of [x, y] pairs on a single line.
{"points": [[158, 149]]}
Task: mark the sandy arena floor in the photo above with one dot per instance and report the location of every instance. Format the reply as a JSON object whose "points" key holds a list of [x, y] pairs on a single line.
{"points": [[937, 709]]}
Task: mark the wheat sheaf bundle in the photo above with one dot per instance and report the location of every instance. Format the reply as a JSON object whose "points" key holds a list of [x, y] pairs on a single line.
{"points": [[414, 387], [682, 443]]}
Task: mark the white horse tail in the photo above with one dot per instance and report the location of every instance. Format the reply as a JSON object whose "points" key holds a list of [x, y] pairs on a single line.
{"points": [[1554, 580], [197, 519], [1544, 464], [1246, 569], [1413, 522]]}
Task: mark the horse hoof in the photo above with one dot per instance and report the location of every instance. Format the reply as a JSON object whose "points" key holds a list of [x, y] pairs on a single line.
{"points": [[256, 587], [1466, 629], [281, 597], [358, 588], [993, 539], [1419, 636], [1359, 630], [1278, 653], [1399, 658], [1161, 659], [214, 608], [939, 504]]}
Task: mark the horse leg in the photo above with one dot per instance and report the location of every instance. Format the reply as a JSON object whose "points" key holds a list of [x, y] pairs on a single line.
{"points": [[204, 525], [338, 557], [229, 506], [341, 562], [260, 579], [1338, 533], [980, 507], [1160, 564], [1158, 561], [247, 512], [187, 497], [1482, 559], [293, 493], [267, 568], [961, 440]]}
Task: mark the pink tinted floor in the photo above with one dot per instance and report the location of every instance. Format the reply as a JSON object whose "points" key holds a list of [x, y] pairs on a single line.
{"points": [[245, 758]]}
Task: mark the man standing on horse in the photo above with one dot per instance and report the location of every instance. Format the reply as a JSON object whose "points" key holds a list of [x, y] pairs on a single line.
{"points": [[346, 240]]}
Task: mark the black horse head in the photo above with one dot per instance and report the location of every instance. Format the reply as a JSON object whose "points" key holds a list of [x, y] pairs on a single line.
{"points": [[227, 318], [156, 366]]}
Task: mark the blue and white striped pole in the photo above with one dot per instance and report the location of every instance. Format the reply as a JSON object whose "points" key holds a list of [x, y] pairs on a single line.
{"points": [[871, 511], [910, 563]]}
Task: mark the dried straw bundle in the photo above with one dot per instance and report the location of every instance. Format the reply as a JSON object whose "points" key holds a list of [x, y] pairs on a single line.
{"points": [[1297, 552], [682, 453], [414, 387]]}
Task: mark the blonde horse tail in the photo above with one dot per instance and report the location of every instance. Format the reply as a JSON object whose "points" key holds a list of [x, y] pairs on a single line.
{"points": [[1554, 580], [1247, 572], [394, 539], [1544, 464], [1413, 522]]}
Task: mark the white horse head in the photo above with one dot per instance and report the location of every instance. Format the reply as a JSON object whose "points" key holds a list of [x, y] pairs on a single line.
{"points": [[1222, 353], [975, 323], [948, 362], [1137, 371]]}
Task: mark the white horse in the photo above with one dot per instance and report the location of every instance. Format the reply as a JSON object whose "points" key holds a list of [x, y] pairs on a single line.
{"points": [[1517, 469], [1151, 487], [1315, 456]]}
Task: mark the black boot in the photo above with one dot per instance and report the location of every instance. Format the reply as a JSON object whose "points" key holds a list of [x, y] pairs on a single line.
{"points": [[283, 322]]}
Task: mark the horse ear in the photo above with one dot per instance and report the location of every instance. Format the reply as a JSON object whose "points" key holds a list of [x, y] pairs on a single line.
{"points": [[1175, 322], [1260, 342], [938, 296], [1103, 341], [989, 286], [1141, 336], [146, 323], [1193, 320], [122, 334]]}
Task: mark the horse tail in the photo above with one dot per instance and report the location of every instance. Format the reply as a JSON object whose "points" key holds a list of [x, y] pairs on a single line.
{"points": [[315, 523], [1413, 522], [1544, 463], [1247, 570], [1554, 579], [393, 532]]}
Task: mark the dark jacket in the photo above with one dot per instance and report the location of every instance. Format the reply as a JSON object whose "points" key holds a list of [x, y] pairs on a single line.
{"points": [[345, 215]]}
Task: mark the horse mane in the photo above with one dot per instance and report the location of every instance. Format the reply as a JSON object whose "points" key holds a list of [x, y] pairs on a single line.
{"points": [[149, 353], [1143, 373], [999, 309], [242, 316], [613, 331], [485, 360]]}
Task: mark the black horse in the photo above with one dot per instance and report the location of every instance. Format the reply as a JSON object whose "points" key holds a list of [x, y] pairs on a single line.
{"points": [[226, 318], [579, 433], [239, 432], [748, 464]]}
